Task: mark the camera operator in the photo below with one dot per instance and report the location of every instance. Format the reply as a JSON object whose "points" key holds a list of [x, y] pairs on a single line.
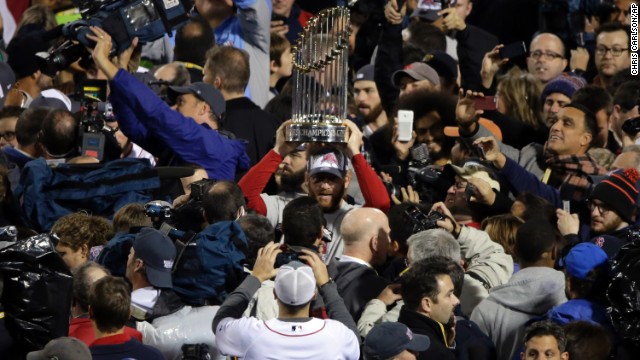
{"points": [[150, 122], [59, 135]]}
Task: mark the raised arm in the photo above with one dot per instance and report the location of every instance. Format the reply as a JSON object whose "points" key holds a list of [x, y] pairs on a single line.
{"points": [[372, 188], [336, 309], [518, 178]]}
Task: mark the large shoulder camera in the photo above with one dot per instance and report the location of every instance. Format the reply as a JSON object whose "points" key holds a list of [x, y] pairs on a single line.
{"points": [[182, 222], [124, 20], [95, 111]]}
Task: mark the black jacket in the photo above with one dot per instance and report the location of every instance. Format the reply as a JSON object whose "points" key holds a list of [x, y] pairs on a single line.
{"points": [[473, 43], [252, 124], [471, 342], [421, 324], [357, 285]]}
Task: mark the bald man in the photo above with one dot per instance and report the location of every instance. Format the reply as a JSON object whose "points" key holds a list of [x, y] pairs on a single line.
{"points": [[365, 232], [546, 58]]}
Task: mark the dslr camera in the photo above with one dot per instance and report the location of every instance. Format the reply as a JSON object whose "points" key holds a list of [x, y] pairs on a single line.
{"points": [[422, 221]]}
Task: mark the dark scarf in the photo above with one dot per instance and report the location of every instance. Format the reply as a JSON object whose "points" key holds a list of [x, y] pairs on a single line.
{"points": [[573, 170]]}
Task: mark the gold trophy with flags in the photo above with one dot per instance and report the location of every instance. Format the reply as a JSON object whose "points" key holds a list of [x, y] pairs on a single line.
{"points": [[320, 66]]}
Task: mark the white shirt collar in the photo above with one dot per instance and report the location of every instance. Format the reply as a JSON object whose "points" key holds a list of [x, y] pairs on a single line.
{"points": [[347, 258]]}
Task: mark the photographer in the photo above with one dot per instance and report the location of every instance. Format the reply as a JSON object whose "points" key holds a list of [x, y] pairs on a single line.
{"points": [[293, 334], [150, 122]]}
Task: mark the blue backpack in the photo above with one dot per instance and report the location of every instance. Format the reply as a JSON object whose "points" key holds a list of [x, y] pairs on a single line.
{"points": [[50, 193], [115, 253], [210, 265]]}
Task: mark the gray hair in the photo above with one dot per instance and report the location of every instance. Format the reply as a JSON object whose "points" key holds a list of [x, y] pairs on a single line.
{"points": [[434, 242]]}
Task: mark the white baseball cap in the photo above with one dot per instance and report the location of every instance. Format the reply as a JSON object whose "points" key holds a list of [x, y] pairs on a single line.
{"points": [[295, 283]]}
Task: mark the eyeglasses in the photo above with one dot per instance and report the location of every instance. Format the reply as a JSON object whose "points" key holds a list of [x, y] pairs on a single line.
{"points": [[616, 51], [8, 136], [602, 208], [550, 55]]}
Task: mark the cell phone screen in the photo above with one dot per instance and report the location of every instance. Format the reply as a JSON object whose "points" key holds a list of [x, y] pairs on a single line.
{"points": [[276, 17], [485, 103], [513, 50]]}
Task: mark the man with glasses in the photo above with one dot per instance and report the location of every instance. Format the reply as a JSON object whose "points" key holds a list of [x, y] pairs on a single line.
{"points": [[457, 199], [546, 57], [613, 206], [8, 119], [562, 161], [612, 52]]}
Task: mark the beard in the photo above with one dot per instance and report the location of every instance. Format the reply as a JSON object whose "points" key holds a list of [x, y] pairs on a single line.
{"points": [[333, 204], [291, 181], [373, 114]]}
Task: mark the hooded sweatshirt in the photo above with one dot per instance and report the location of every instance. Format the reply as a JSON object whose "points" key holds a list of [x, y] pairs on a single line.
{"points": [[530, 293]]}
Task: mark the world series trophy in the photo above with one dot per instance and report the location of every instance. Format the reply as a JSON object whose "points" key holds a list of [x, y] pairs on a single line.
{"points": [[320, 63]]}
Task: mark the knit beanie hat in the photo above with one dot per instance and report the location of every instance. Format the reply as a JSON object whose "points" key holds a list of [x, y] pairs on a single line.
{"points": [[565, 84], [620, 192]]}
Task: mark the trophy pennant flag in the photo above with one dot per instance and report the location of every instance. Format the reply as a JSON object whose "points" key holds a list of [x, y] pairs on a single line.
{"points": [[320, 66]]}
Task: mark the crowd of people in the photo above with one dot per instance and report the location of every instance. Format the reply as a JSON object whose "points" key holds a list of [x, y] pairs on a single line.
{"points": [[504, 225]]}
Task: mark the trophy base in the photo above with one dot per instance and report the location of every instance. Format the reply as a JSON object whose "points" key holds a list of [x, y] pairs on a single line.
{"points": [[328, 133]]}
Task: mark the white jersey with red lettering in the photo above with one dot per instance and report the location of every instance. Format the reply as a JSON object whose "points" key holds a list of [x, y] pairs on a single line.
{"points": [[251, 338]]}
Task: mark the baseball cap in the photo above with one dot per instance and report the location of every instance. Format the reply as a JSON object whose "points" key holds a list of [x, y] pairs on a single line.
{"points": [[334, 162], [583, 258], [472, 168], [442, 63], [158, 253], [454, 131], [391, 338], [417, 71], [295, 283], [52, 98], [64, 348], [365, 73], [609, 244], [205, 92]]}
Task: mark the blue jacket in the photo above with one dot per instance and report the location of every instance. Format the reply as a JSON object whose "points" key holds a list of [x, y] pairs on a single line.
{"points": [[151, 123], [520, 180], [250, 29], [579, 309]]}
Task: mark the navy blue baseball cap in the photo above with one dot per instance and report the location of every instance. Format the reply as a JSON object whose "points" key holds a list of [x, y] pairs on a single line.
{"points": [[391, 338], [204, 92], [158, 253]]}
